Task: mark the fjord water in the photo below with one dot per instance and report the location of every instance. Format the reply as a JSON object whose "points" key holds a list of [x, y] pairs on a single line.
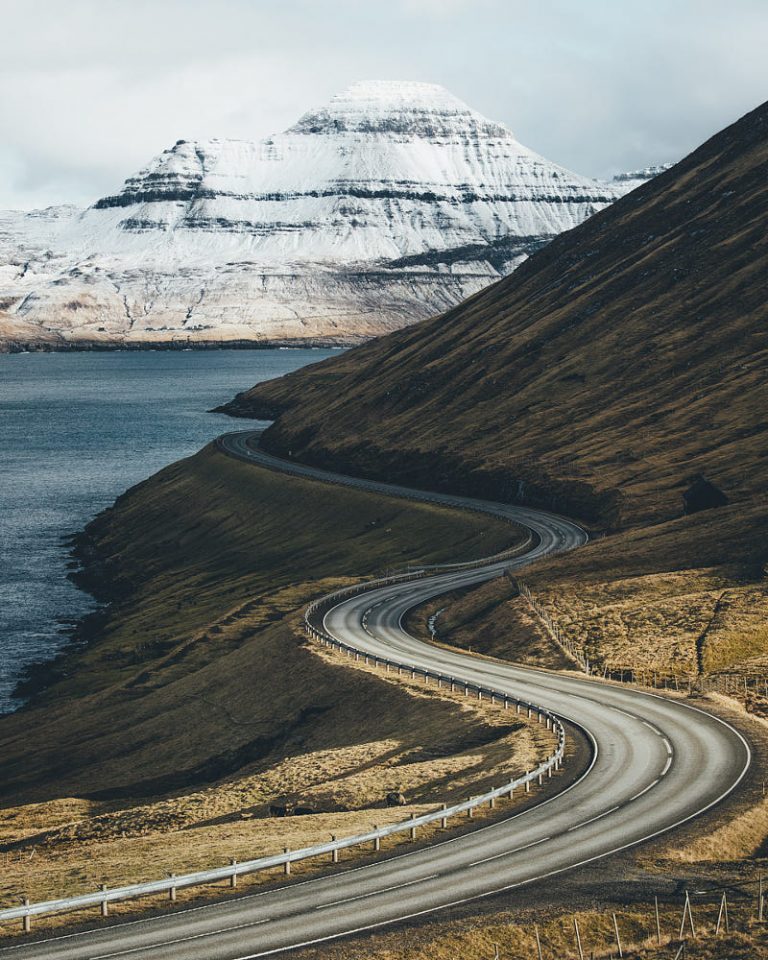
{"points": [[76, 430]]}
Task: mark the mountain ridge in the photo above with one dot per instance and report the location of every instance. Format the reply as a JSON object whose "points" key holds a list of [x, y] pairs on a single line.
{"points": [[562, 383], [352, 223]]}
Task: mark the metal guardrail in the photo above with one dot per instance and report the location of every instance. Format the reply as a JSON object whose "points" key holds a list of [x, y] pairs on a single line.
{"points": [[103, 897]]}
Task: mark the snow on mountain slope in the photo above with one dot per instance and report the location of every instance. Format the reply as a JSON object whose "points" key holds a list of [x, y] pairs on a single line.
{"points": [[635, 178], [389, 204]]}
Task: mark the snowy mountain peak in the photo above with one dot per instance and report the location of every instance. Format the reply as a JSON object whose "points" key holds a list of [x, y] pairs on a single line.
{"points": [[396, 107], [391, 202]]}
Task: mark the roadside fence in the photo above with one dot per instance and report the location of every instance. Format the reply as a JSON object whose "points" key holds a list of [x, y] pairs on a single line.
{"points": [[230, 873]]}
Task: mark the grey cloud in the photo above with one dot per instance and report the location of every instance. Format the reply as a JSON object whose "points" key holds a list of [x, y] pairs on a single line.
{"points": [[92, 89]]}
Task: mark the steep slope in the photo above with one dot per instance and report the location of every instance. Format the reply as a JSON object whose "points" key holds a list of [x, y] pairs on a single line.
{"points": [[602, 377], [390, 204]]}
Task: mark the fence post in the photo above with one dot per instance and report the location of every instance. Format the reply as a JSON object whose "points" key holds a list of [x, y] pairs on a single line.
{"points": [[618, 938], [723, 915], [687, 913], [578, 938], [658, 921]]}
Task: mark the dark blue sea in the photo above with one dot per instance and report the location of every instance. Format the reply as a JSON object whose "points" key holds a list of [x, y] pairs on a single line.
{"points": [[76, 430]]}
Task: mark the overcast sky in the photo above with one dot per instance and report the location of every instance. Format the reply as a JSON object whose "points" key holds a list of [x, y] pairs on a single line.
{"points": [[90, 90]]}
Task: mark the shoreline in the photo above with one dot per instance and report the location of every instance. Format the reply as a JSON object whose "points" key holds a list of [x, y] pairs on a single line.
{"points": [[98, 346], [87, 573]]}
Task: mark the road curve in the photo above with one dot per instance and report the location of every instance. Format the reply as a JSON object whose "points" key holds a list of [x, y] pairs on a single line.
{"points": [[657, 763]]}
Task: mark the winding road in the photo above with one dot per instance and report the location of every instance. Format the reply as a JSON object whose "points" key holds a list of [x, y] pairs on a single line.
{"points": [[656, 764]]}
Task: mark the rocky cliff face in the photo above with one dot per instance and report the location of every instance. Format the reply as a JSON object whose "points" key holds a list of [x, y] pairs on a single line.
{"points": [[392, 203]]}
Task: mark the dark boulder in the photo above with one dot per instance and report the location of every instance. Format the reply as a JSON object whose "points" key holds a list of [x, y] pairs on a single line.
{"points": [[702, 495], [395, 799]]}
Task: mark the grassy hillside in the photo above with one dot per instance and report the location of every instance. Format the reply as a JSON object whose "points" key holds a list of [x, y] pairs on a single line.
{"points": [[194, 702], [681, 603], [607, 372], [195, 669]]}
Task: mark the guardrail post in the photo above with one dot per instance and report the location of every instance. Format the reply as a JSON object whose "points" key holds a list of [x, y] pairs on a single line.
{"points": [[286, 850], [376, 840], [506, 704], [471, 810], [444, 820], [466, 690], [26, 922], [479, 694], [453, 685], [233, 878], [527, 782], [172, 890], [529, 711], [517, 707], [511, 791], [334, 852], [104, 903], [492, 803], [413, 829], [541, 779]]}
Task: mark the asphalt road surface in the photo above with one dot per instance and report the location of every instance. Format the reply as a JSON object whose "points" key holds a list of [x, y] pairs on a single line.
{"points": [[656, 764]]}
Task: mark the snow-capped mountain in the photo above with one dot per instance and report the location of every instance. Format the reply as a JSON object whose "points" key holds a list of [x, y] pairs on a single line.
{"points": [[635, 178], [389, 204]]}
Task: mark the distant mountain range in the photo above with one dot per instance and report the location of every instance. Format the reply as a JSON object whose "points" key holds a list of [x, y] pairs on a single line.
{"points": [[390, 204], [620, 374]]}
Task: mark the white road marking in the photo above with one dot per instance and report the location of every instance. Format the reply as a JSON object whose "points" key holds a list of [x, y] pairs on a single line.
{"points": [[373, 893], [508, 853], [592, 819], [651, 727], [644, 790], [168, 943]]}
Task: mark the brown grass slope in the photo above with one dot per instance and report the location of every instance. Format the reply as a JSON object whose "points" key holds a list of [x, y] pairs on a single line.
{"points": [[612, 367], [197, 671]]}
